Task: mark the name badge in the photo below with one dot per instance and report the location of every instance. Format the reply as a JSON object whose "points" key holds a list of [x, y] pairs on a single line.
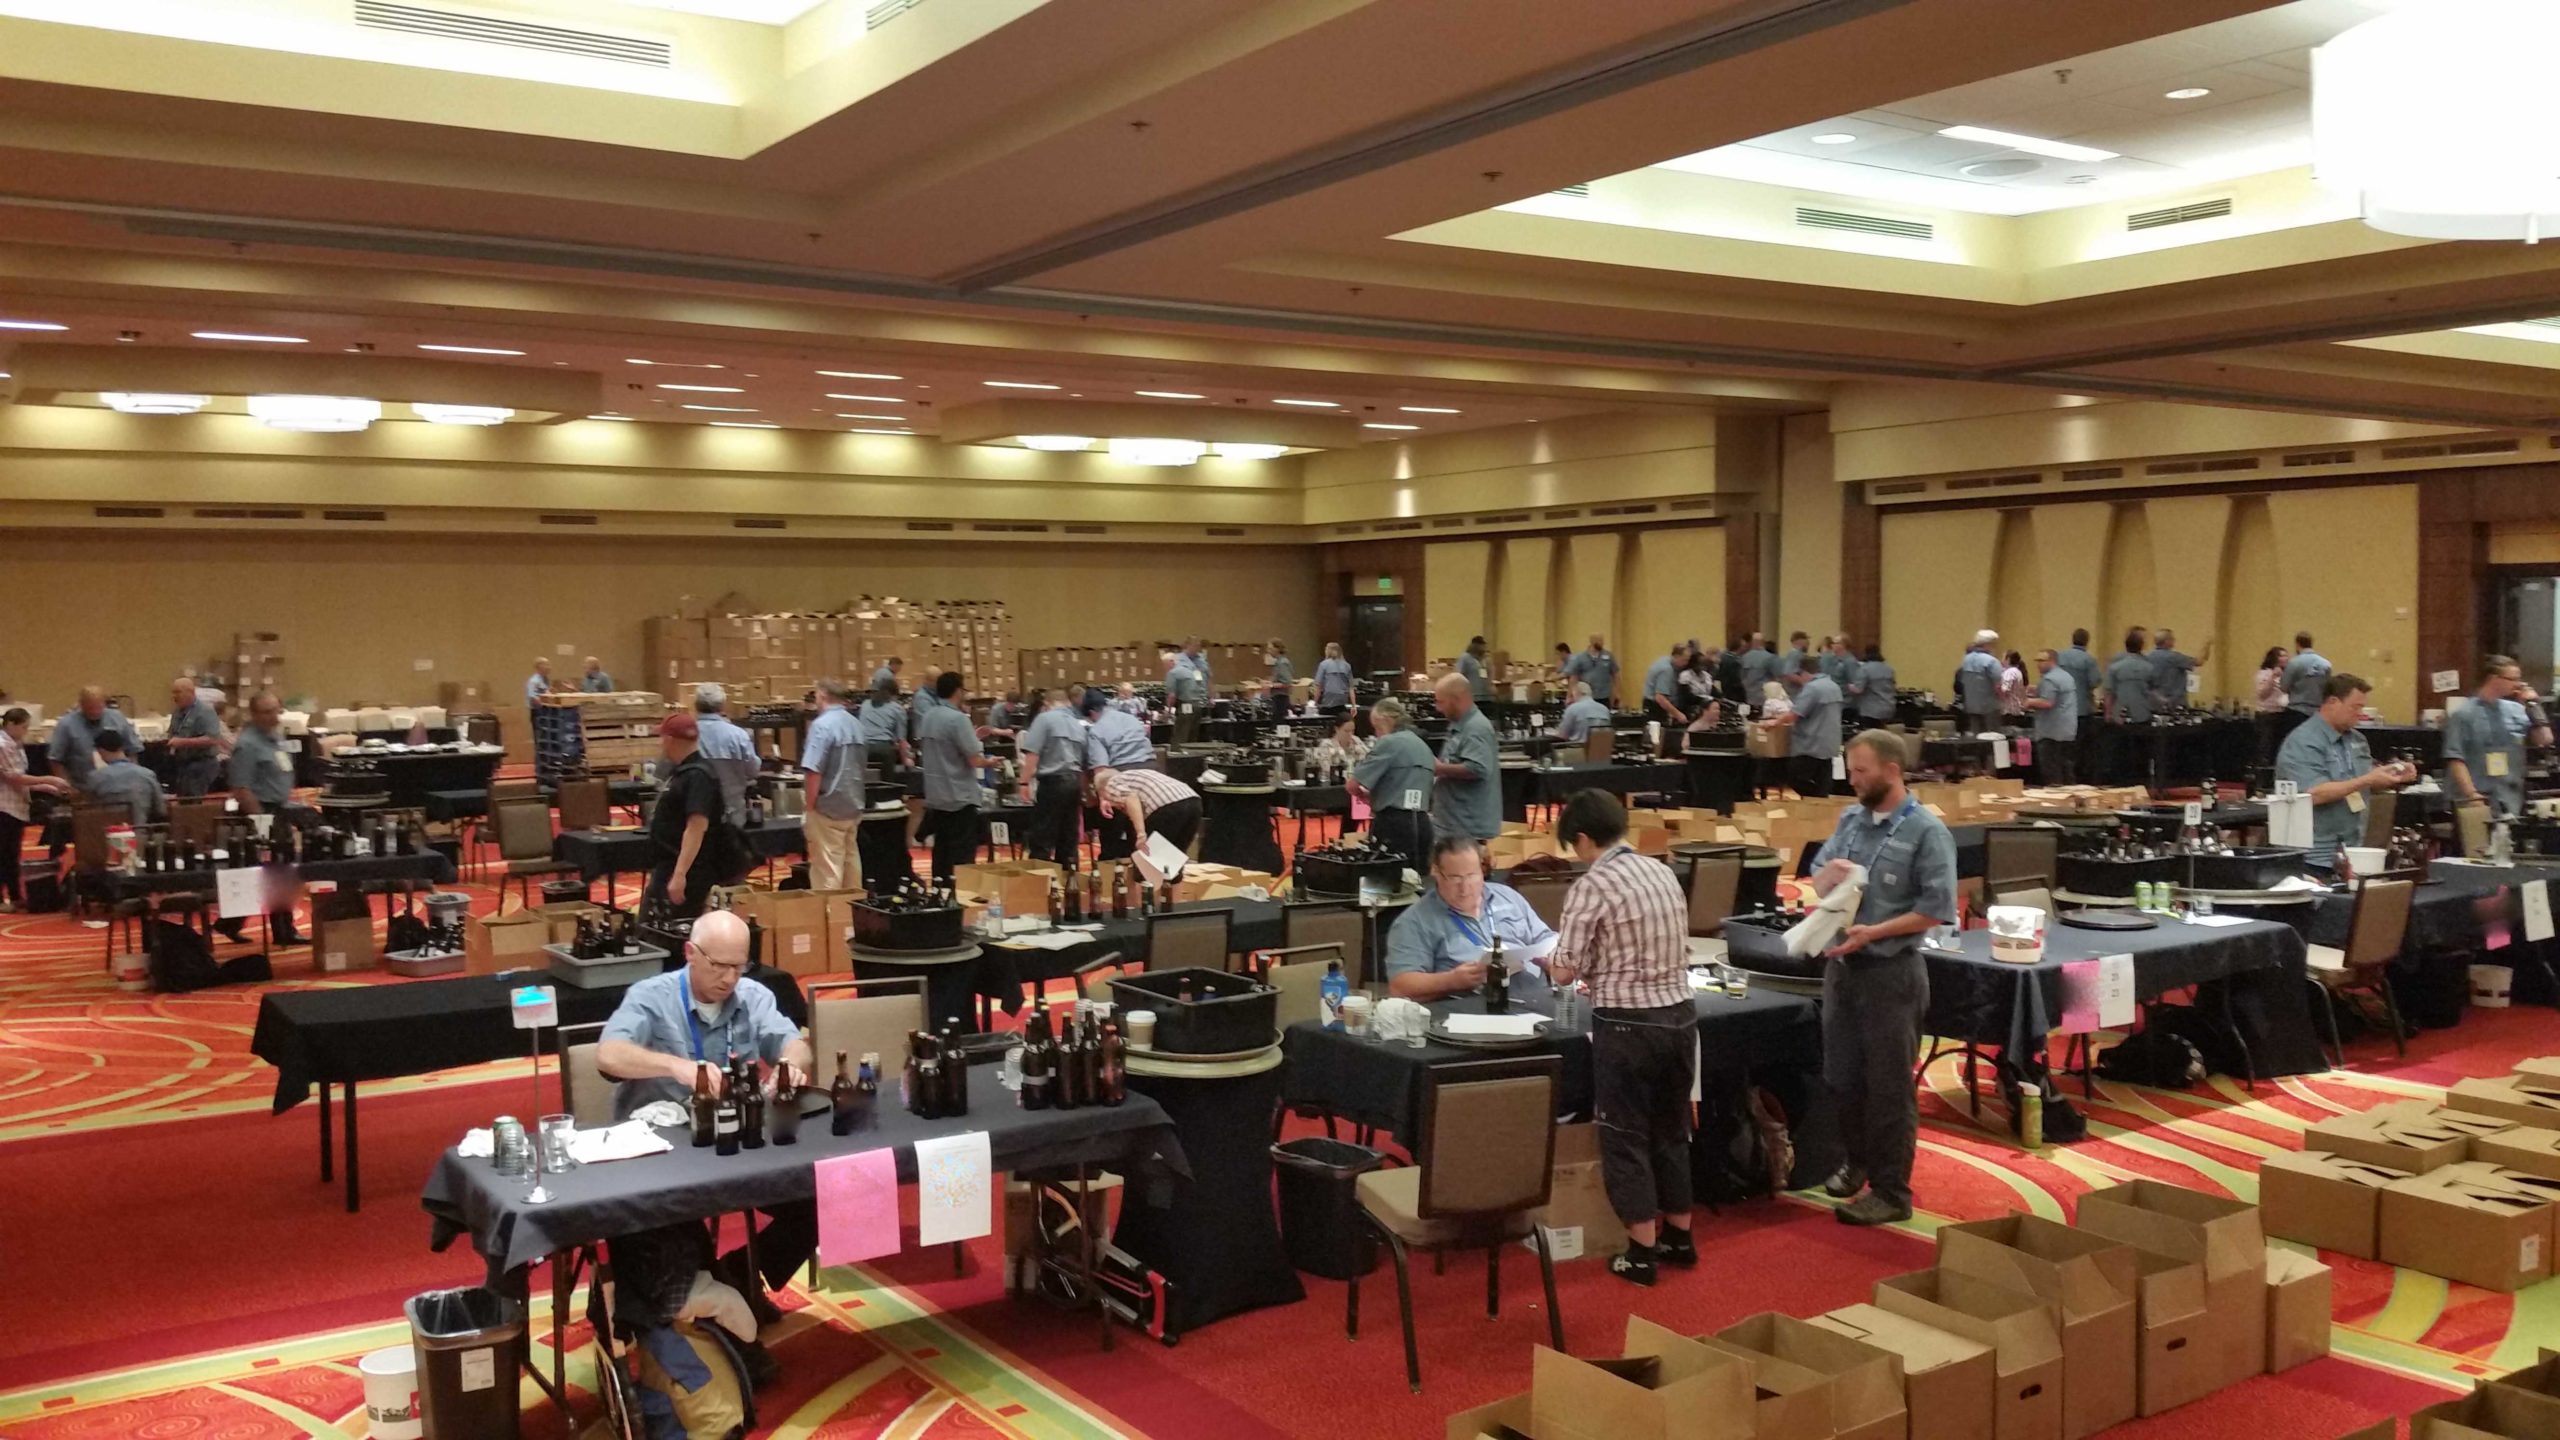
{"points": [[1413, 800], [2355, 802], [2497, 764]]}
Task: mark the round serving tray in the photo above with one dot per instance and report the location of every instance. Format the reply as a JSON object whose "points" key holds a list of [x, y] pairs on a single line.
{"points": [[2107, 920], [1440, 1035]]}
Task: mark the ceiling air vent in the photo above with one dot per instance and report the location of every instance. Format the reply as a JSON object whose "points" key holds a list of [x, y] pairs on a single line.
{"points": [[243, 512], [1971, 482], [1384, 527], [885, 11], [358, 516], [758, 522], [1088, 529], [2483, 447], [2178, 214], [1232, 530], [998, 527], [2413, 452], [1564, 514], [568, 519], [1350, 529], [1678, 505], [128, 512], [516, 34], [1519, 519], [1624, 509], [1816, 219], [2226, 465], [928, 524], [1906, 487], [1451, 522], [1575, 192], [2010, 481], [2319, 457], [2093, 472]]}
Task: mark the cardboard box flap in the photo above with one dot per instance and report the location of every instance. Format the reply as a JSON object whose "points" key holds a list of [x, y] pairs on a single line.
{"points": [[1698, 1393], [2522, 1149], [2016, 1326], [1863, 1385], [1948, 1380], [2083, 1273], [2221, 1235], [1917, 1346], [2508, 1098], [2492, 1412], [2170, 1290], [2401, 1137], [2543, 1070]]}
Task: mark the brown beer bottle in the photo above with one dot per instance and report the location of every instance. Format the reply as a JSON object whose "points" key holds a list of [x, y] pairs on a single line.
{"points": [[706, 1100]]}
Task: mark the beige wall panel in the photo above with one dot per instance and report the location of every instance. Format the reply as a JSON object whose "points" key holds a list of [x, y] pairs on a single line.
{"points": [[2524, 543], [2252, 609], [356, 613], [2187, 546], [1501, 447], [1524, 602], [2071, 542], [1677, 592], [1933, 598], [1651, 476], [2128, 593], [1588, 588], [2349, 566], [1455, 587], [1808, 528], [2017, 587]]}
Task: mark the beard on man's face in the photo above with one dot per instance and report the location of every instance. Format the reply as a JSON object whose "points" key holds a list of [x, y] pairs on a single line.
{"points": [[1873, 793]]}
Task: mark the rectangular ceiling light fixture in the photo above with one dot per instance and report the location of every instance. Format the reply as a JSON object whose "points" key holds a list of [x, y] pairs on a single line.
{"points": [[2031, 144]]}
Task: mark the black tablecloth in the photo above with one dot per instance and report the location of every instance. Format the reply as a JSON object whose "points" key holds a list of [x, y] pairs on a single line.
{"points": [[1524, 786], [1379, 1083], [375, 1032], [1235, 827], [413, 777], [429, 865], [1002, 972], [1219, 1241], [598, 1202], [598, 853], [1718, 779]]}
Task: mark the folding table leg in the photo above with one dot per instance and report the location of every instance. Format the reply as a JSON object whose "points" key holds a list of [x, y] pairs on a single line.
{"points": [[352, 1193], [327, 1171]]}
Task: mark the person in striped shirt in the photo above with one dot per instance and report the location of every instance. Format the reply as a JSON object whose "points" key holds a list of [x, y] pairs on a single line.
{"points": [[1625, 933], [1154, 802]]}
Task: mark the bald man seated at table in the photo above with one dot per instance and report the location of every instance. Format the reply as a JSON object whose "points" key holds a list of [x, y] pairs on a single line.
{"points": [[667, 1025]]}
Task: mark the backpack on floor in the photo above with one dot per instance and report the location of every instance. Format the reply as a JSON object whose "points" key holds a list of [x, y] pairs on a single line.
{"points": [[182, 960], [699, 1390], [2156, 1058]]}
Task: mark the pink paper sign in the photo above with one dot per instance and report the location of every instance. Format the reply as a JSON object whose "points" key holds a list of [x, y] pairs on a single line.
{"points": [[2079, 997], [857, 1207]]}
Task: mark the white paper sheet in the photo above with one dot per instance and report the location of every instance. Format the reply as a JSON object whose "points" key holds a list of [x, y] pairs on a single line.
{"points": [[2289, 820], [1518, 1027], [2537, 910], [1160, 859], [952, 1186], [2218, 922], [2116, 1004], [1043, 940], [625, 1141], [2297, 885], [236, 893]]}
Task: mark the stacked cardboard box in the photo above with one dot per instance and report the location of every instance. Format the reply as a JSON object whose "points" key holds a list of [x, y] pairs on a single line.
{"points": [[257, 663], [778, 655], [1075, 666], [2521, 1405]]}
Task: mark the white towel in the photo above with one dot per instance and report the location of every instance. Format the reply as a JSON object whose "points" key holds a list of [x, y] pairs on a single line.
{"points": [[1821, 927]]}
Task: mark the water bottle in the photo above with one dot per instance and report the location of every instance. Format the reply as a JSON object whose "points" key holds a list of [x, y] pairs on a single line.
{"points": [[1334, 988], [2031, 1117], [994, 919]]}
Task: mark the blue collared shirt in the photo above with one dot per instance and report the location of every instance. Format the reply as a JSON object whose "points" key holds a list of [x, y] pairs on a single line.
{"points": [[123, 782], [1184, 685], [261, 765], [1876, 695], [882, 724], [1119, 740], [1575, 725], [1472, 806], [2129, 681], [1333, 681], [2083, 667], [596, 682], [197, 722], [834, 752], [74, 746], [2315, 754], [2169, 671], [945, 744], [1596, 668], [2062, 722], [1816, 731], [1978, 683], [535, 687], [1430, 938], [1911, 868], [1397, 773], [1662, 681], [1759, 667], [1469, 666], [1056, 740], [2306, 676], [731, 753], [659, 1014], [2479, 737]]}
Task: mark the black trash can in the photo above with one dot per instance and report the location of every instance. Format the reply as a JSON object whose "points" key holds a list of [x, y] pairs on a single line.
{"points": [[1320, 1207], [467, 1342]]}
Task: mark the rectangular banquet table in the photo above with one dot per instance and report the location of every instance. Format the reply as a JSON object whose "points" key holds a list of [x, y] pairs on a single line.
{"points": [[614, 853], [426, 865], [345, 1034], [1527, 785]]}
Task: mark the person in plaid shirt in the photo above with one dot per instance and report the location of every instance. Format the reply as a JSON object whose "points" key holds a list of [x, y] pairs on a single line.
{"points": [[1625, 931]]}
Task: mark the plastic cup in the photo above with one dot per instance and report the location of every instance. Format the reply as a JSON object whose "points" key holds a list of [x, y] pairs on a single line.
{"points": [[1356, 1010], [1142, 1029]]}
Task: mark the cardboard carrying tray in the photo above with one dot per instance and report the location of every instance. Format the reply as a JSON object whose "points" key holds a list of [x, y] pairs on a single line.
{"points": [[2480, 1224], [1814, 1382], [2324, 1200], [1947, 1379], [2408, 1137], [1697, 1393]]}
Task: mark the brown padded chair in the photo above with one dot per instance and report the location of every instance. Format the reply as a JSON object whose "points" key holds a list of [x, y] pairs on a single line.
{"points": [[862, 1017], [1715, 883], [1190, 940], [1329, 922], [2020, 857], [196, 818], [1545, 892], [2470, 826], [524, 844], [2375, 929], [1484, 1162], [585, 804], [585, 1090], [2380, 813], [1601, 745]]}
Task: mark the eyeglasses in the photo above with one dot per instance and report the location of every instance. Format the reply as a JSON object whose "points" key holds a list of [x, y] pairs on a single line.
{"points": [[723, 967]]}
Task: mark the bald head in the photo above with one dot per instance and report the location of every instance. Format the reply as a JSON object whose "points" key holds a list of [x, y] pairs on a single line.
{"points": [[1455, 695], [716, 956], [182, 692], [93, 701]]}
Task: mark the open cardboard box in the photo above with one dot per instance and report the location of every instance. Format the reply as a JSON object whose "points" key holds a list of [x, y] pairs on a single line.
{"points": [[1946, 1378], [2325, 1200], [1696, 1393], [513, 941], [1578, 1216], [1023, 885], [342, 938], [2220, 1235], [2480, 1224], [2492, 1412], [2087, 1283], [2026, 1347], [2542, 1378], [2521, 1148], [2406, 1137], [2524, 1099], [1813, 1382], [2298, 1299], [792, 929], [2172, 1359]]}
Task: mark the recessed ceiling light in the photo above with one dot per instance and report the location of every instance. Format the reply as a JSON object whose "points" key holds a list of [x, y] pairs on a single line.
{"points": [[708, 389], [1836, 137], [722, 409], [867, 430], [892, 419], [860, 375], [1169, 395], [623, 419], [744, 424], [1428, 410], [469, 350], [1311, 404], [463, 414], [867, 399], [2031, 144], [1390, 427], [2192, 92], [237, 335], [1054, 442], [31, 325], [1016, 385], [675, 365], [316, 413]]}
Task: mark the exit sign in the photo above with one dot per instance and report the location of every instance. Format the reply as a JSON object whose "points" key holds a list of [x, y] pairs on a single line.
{"points": [[1386, 584]]}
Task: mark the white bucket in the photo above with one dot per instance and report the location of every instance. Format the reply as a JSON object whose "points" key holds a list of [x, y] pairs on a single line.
{"points": [[133, 972], [2492, 986], [391, 1393]]}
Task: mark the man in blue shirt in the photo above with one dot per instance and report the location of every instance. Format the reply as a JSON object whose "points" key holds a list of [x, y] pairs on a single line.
{"points": [[2327, 759], [261, 781], [884, 727], [1813, 733], [950, 757], [835, 758], [2129, 683], [1333, 678], [1759, 667], [727, 748], [1840, 663], [1052, 750], [1114, 740], [2056, 704], [1471, 664], [195, 739], [1662, 689], [1575, 725], [595, 681], [1437, 946], [1186, 691], [73, 748], [1977, 683], [1597, 668], [1195, 658], [1467, 796], [1875, 989], [2483, 756], [668, 1027], [886, 677], [2082, 667], [1793, 662], [118, 781], [2306, 677], [2170, 669], [537, 684], [1874, 688]]}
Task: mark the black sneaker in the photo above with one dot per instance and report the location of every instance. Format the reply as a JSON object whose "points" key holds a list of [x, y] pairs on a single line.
{"points": [[1676, 1248], [1871, 1209], [1845, 1182], [1634, 1264], [763, 1371]]}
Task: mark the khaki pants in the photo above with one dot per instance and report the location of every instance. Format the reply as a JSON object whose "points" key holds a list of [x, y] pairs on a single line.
{"points": [[835, 860]]}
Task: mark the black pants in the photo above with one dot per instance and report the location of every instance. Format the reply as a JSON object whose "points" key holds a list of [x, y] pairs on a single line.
{"points": [[784, 1242], [1809, 775], [1057, 811], [1178, 823], [1871, 1015], [1407, 832], [1113, 839], [1186, 724], [955, 838], [697, 891], [13, 838], [1643, 1063], [2058, 761]]}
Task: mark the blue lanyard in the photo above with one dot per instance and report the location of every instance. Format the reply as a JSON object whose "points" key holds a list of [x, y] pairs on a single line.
{"points": [[693, 1027], [1909, 808], [1468, 930]]}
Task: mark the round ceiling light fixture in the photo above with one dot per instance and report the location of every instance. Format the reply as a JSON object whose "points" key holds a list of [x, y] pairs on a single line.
{"points": [[1156, 450], [463, 414], [1055, 442], [2188, 92], [1835, 137], [1247, 450], [319, 413], [2431, 118], [2001, 169], [134, 402]]}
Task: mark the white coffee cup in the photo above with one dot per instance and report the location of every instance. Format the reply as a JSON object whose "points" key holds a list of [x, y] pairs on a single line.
{"points": [[1142, 1029], [1356, 1010]]}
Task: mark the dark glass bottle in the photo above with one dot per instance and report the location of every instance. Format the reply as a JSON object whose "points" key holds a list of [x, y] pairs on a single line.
{"points": [[706, 1100], [955, 1074], [1497, 979], [1065, 1093], [844, 1099], [725, 1120], [1038, 1072], [1112, 1065], [911, 1087], [750, 1103], [782, 1113]]}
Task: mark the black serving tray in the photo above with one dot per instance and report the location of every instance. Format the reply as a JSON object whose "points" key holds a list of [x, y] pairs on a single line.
{"points": [[2089, 875], [2248, 867], [1227, 1013]]}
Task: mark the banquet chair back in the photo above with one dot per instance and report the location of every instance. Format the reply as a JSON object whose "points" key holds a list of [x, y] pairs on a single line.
{"points": [[2379, 817], [1298, 975], [2379, 924], [524, 829], [2375, 930], [1545, 892], [585, 804], [1329, 922], [861, 1016], [195, 819], [1715, 882], [502, 791], [89, 827], [585, 1090], [2019, 857], [1190, 940], [1601, 745], [1488, 1136], [2034, 897], [2471, 825]]}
